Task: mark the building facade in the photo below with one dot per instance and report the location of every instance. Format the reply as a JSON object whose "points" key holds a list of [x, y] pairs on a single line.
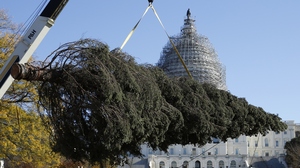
{"points": [[245, 151]]}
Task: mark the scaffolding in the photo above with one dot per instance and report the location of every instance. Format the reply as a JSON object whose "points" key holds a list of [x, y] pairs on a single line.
{"points": [[198, 54]]}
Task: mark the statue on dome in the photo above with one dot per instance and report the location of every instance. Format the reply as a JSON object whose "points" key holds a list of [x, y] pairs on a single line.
{"points": [[188, 13]]}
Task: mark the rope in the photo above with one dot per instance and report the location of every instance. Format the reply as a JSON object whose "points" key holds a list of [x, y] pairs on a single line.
{"points": [[132, 31], [254, 149], [195, 156], [177, 52], [24, 27], [171, 41]]}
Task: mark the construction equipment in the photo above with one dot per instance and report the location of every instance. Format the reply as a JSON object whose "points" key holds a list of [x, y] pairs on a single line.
{"points": [[30, 41]]}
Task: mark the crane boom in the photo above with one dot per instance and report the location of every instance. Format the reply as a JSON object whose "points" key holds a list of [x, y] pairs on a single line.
{"points": [[30, 41]]}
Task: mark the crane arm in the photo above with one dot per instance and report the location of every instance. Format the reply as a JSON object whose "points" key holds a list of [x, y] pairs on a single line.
{"points": [[30, 41]]}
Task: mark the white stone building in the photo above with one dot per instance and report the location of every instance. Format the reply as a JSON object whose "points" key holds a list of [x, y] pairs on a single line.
{"points": [[245, 151]]}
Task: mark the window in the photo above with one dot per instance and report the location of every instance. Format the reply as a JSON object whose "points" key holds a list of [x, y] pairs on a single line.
{"points": [[256, 143], [285, 132], [161, 164], [185, 164], [216, 151], [184, 151], [267, 154], [248, 143], [203, 151], [208, 153], [209, 164], [173, 164], [216, 140], [232, 164], [236, 140], [171, 151], [221, 164], [236, 151], [266, 142], [277, 143], [197, 164], [194, 151]]}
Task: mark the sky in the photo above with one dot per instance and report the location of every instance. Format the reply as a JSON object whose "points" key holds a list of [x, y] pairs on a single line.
{"points": [[257, 41]]}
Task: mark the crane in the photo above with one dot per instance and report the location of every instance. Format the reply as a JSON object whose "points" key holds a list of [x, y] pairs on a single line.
{"points": [[30, 41]]}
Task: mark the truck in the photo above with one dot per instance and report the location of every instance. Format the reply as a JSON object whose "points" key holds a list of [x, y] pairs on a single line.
{"points": [[30, 41]]}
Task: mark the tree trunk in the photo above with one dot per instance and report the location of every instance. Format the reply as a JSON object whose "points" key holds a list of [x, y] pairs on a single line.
{"points": [[30, 73]]}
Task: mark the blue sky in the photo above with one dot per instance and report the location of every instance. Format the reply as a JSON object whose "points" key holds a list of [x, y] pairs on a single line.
{"points": [[258, 41]]}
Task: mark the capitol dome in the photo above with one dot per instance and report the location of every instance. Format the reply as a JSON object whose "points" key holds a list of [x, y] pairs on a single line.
{"points": [[198, 55]]}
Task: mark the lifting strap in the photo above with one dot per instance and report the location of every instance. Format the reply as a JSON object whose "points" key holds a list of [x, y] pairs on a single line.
{"points": [[177, 52], [131, 32], [171, 41]]}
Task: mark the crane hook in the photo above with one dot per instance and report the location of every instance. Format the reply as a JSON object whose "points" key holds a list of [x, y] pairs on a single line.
{"points": [[150, 2]]}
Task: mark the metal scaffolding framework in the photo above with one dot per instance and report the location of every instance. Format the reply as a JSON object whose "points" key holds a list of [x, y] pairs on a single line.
{"points": [[198, 54]]}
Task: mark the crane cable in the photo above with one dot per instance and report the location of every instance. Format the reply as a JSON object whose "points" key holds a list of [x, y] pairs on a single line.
{"points": [[177, 52], [132, 31], [254, 150], [195, 156], [18, 34], [170, 39]]}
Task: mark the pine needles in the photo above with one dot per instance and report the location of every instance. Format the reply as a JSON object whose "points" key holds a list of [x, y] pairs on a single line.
{"points": [[105, 105]]}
